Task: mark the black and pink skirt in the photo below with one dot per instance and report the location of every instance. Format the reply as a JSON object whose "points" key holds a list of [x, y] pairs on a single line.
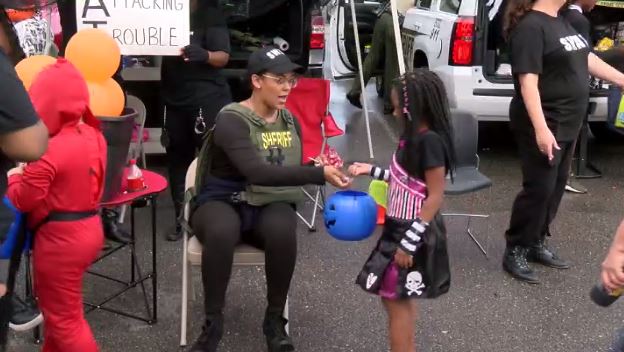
{"points": [[428, 277]]}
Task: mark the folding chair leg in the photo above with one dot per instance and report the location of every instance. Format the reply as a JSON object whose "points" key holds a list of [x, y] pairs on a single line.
{"points": [[469, 230], [310, 225], [184, 309], [286, 314], [191, 283]]}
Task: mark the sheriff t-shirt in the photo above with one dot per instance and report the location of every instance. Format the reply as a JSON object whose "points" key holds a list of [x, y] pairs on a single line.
{"points": [[551, 48]]}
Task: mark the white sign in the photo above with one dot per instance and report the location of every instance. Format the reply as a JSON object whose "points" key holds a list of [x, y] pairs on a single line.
{"points": [[140, 27]]}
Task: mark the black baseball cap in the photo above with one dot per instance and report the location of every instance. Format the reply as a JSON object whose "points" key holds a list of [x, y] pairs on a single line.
{"points": [[271, 59]]}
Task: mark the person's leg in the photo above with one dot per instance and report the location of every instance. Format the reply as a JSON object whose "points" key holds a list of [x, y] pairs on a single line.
{"points": [[217, 227], [391, 60], [371, 63], [401, 324], [275, 232], [60, 259], [179, 125], [528, 214], [539, 252], [67, 14]]}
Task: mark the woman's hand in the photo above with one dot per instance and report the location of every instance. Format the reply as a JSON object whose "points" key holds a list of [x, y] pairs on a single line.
{"points": [[336, 177], [3, 290], [546, 142], [358, 169], [403, 259], [613, 269]]}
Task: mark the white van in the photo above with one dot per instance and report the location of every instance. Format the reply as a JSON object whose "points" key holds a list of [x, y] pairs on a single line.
{"points": [[449, 37]]}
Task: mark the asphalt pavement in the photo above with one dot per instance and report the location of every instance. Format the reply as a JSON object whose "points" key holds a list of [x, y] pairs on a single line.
{"points": [[485, 310]]}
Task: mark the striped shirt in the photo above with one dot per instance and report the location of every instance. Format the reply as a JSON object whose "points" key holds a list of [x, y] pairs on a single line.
{"points": [[406, 194]]}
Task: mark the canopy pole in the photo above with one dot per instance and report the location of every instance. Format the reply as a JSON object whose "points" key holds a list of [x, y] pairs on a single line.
{"points": [[397, 36], [356, 34]]}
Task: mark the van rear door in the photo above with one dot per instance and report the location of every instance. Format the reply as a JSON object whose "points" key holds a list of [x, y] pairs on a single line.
{"points": [[341, 51]]}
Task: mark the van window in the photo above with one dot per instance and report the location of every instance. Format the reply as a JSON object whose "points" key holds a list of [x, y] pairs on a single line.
{"points": [[423, 4], [450, 6]]}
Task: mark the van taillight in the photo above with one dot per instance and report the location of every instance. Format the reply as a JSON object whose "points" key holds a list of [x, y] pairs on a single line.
{"points": [[462, 42], [317, 38]]}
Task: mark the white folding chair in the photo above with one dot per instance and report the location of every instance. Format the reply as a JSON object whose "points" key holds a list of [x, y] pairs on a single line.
{"points": [[136, 147], [244, 255]]}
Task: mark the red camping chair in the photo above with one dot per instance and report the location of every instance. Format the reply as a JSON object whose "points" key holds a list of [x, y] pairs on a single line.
{"points": [[309, 103]]}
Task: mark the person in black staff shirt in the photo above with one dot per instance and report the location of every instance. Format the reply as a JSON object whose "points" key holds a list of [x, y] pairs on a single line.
{"points": [[194, 90], [551, 64], [23, 137], [250, 171]]}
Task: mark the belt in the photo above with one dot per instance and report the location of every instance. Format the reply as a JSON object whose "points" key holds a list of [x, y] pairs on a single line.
{"points": [[65, 216]]}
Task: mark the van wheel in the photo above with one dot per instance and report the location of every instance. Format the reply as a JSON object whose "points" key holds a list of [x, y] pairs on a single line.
{"points": [[379, 85], [602, 133]]}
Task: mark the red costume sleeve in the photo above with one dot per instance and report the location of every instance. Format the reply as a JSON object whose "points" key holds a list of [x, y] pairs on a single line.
{"points": [[28, 190]]}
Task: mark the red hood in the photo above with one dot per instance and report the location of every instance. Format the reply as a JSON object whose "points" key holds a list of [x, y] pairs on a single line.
{"points": [[61, 97]]}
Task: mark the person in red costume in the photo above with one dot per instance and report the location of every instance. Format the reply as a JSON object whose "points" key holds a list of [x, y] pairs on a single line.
{"points": [[61, 194]]}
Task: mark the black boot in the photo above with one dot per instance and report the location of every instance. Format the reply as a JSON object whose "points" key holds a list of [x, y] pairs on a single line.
{"points": [[111, 227], [176, 234], [354, 99], [211, 335], [275, 331], [515, 263], [540, 253]]}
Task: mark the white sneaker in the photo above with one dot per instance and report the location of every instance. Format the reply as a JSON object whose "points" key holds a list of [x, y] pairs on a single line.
{"points": [[504, 70]]}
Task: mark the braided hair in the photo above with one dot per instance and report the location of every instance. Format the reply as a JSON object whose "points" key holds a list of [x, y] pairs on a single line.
{"points": [[16, 53], [422, 98]]}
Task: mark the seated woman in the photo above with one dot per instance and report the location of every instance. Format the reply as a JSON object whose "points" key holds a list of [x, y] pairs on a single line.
{"points": [[250, 171]]}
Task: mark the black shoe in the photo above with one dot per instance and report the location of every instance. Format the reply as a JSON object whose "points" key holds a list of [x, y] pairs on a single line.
{"points": [[515, 263], [388, 109], [354, 99], [26, 314], [541, 254], [211, 335], [275, 331], [111, 227], [176, 234]]}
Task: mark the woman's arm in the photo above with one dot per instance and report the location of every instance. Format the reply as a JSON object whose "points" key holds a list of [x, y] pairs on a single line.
{"points": [[27, 190], [533, 103], [599, 68], [613, 264], [232, 135]]}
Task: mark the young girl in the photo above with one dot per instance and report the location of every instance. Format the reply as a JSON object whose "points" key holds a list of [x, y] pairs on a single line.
{"points": [[61, 193], [400, 267]]}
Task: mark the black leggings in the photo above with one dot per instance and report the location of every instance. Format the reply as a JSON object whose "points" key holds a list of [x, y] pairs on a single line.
{"points": [[543, 185], [220, 226]]}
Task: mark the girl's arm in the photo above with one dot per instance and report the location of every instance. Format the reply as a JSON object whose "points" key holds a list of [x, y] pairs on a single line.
{"points": [[27, 190], [375, 172], [599, 68], [435, 179], [531, 97]]}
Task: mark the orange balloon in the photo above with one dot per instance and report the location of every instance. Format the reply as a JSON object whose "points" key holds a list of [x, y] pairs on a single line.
{"points": [[30, 67], [94, 53], [106, 98]]}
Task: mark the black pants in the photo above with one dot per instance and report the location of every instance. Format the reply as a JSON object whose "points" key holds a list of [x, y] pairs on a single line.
{"points": [[543, 185], [220, 226]]}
